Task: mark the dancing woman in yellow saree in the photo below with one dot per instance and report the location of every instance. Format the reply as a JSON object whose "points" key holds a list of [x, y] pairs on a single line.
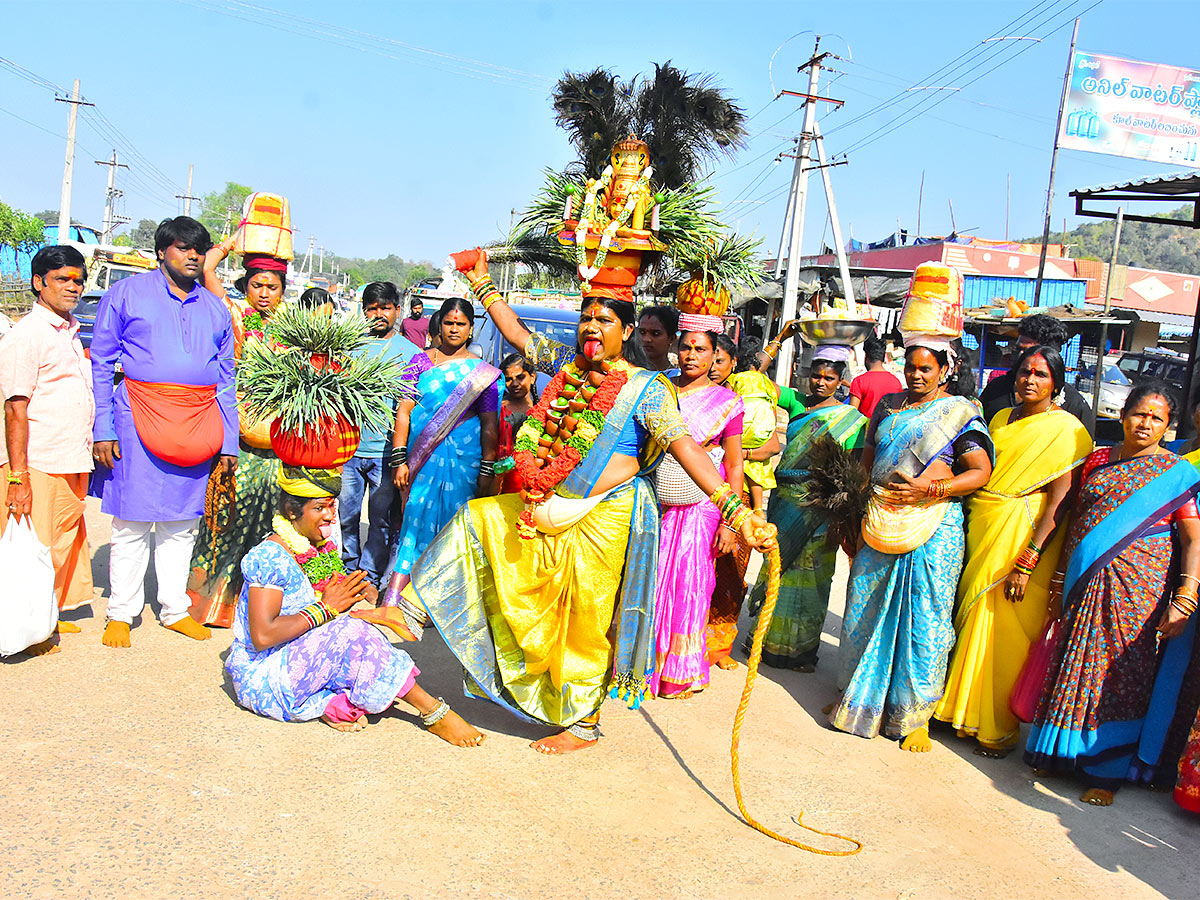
{"points": [[1001, 611], [547, 597]]}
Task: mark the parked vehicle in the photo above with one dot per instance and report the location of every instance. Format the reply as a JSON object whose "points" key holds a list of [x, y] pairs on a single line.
{"points": [[1114, 388], [1161, 365], [558, 324], [85, 312]]}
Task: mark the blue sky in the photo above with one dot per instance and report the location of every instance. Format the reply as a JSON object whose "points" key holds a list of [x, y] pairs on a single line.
{"points": [[414, 127]]}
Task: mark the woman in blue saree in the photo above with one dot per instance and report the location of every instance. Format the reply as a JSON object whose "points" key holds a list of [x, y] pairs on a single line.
{"points": [[807, 559], [548, 600], [925, 449], [444, 446], [1126, 596]]}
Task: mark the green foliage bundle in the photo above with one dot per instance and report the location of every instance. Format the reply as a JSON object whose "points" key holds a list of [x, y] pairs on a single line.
{"points": [[308, 369]]}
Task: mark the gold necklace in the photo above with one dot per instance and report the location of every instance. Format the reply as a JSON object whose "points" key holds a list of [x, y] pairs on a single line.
{"points": [[909, 405]]}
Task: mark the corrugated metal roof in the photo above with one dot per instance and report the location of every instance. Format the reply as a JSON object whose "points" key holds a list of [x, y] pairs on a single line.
{"points": [[1151, 315], [1174, 183]]}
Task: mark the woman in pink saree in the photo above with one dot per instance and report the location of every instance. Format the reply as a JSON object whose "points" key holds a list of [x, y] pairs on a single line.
{"points": [[692, 536]]}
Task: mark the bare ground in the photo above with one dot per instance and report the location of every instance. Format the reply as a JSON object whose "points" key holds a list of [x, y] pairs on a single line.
{"points": [[133, 774]]}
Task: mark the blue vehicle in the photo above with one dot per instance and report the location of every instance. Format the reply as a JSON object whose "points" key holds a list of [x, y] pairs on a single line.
{"points": [[85, 312], [558, 324]]}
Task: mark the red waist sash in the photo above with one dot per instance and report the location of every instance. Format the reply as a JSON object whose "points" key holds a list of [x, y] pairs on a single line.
{"points": [[179, 423]]}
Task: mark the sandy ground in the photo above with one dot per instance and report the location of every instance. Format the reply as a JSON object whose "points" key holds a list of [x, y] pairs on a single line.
{"points": [[133, 774]]}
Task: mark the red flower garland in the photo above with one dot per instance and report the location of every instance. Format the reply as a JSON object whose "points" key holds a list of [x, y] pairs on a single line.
{"points": [[543, 480]]}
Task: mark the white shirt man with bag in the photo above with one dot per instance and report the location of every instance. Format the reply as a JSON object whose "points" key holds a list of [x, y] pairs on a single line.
{"points": [[46, 383]]}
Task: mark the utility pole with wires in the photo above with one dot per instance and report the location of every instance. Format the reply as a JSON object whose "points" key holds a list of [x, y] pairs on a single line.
{"points": [[111, 219], [797, 198], [1041, 271], [306, 266], [229, 211], [187, 197], [64, 206]]}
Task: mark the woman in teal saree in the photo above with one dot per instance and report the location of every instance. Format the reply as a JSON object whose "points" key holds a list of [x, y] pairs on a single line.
{"points": [[925, 448]]}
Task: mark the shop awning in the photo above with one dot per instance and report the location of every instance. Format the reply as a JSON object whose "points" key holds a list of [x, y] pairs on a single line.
{"points": [[1180, 187]]}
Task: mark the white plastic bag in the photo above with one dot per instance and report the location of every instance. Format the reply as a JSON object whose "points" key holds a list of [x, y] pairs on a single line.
{"points": [[28, 609]]}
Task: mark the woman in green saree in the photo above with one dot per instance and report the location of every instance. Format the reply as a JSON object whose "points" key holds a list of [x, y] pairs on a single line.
{"points": [[807, 559]]}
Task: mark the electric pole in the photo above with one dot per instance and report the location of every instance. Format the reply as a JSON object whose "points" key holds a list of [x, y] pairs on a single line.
{"points": [[64, 206], [187, 197], [306, 266], [111, 219], [796, 204]]}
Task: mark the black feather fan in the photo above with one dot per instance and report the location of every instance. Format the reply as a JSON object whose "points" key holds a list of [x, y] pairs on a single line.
{"points": [[684, 118], [839, 485]]}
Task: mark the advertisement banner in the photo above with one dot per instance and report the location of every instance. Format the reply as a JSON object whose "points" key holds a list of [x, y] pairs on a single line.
{"points": [[1135, 109]]}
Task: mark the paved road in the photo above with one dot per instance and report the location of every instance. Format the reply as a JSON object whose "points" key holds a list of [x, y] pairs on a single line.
{"points": [[133, 774]]}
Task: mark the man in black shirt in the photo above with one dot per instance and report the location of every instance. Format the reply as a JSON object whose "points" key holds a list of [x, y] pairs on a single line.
{"points": [[1035, 330]]}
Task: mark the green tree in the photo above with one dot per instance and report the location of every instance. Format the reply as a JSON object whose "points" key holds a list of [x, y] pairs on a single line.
{"points": [[142, 234], [1143, 244], [221, 208], [19, 230]]}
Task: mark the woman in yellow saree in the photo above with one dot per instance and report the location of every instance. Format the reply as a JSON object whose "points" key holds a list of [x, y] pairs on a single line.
{"points": [[1002, 611], [547, 597]]}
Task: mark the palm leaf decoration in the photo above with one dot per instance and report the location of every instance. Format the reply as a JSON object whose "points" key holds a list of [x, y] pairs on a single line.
{"points": [[688, 224], [308, 369], [687, 122], [685, 119]]}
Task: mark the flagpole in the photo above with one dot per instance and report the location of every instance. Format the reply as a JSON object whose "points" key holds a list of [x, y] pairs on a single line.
{"points": [[1062, 104]]}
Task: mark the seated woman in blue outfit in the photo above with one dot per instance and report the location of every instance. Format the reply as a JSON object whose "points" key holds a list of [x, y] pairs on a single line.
{"points": [[294, 656]]}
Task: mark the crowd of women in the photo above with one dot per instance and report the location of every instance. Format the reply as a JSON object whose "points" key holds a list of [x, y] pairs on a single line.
{"points": [[593, 539], [1004, 570]]}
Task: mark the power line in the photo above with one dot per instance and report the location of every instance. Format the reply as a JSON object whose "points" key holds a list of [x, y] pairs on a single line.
{"points": [[967, 57], [373, 43], [151, 183], [938, 100]]}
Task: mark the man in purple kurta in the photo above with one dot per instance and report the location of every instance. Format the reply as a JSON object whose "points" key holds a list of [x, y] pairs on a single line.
{"points": [[157, 431]]}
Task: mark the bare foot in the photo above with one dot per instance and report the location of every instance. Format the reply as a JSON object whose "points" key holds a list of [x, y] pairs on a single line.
{"points": [[727, 662], [454, 729], [829, 708], [1097, 797], [67, 627], [1044, 773], [680, 695], [918, 741], [807, 668], [563, 742], [388, 617], [116, 634], [190, 627], [346, 727], [43, 648]]}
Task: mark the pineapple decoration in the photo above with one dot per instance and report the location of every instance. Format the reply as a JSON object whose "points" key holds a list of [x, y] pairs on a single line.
{"points": [[703, 296]]}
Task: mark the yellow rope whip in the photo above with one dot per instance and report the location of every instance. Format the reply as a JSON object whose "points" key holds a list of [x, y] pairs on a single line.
{"points": [[764, 620]]}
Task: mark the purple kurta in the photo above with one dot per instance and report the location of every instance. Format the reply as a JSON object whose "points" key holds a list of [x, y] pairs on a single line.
{"points": [[156, 337]]}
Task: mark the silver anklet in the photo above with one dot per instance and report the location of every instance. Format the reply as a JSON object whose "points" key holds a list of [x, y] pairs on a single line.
{"points": [[436, 714], [587, 733]]}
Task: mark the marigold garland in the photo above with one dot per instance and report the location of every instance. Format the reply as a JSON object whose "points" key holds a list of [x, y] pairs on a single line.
{"points": [[544, 456], [321, 566], [253, 324]]}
